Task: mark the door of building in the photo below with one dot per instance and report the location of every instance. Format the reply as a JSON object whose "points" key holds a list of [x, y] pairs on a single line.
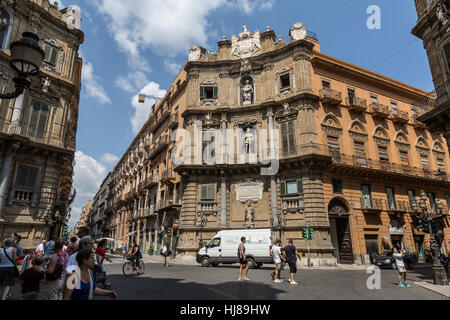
{"points": [[344, 240], [372, 245]]}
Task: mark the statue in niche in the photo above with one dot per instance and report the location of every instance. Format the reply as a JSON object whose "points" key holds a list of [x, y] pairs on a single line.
{"points": [[247, 93], [441, 13], [249, 215], [248, 140], [45, 84]]}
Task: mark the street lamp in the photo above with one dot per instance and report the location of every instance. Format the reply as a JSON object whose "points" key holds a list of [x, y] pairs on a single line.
{"points": [[143, 96], [203, 223], [282, 220], [427, 217], [26, 59]]}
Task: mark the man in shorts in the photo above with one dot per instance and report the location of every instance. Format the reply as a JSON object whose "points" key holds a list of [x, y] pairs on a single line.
{"points": [[277, 257], [291, 257], [398, 256], [242, 260]]}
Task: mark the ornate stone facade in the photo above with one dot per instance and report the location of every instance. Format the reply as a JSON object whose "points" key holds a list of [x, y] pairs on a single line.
{"points": [[38, 129]]}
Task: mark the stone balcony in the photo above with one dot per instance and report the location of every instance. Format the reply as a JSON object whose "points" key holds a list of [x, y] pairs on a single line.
{"points": [[174, 120], [400, 117], [292, 204], [356, 104], [379, 110], [207, 208], [160, 144], [330, 96]]}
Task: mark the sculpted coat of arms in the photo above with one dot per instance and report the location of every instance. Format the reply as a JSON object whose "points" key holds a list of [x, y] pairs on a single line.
{"points": [[246, 45]]}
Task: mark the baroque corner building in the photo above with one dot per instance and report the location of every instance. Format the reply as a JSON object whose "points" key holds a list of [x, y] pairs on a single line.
{"points": [[38, 129], [433, 28], [350, 153]]}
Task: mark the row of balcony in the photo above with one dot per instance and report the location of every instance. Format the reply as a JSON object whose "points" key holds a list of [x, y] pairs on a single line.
{"points": [[363, 162], [357, 104], [36, 134], [158, 117], [378, 204]]}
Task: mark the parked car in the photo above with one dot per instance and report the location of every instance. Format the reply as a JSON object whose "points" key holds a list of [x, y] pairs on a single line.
{"points": [[223, 248], [386, 260]]}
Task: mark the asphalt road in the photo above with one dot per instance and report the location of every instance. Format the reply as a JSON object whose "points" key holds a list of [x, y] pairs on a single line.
{"points": [[181, 282]]}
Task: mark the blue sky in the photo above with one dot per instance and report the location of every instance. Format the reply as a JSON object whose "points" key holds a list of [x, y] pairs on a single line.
{"points": [[137, 46]]}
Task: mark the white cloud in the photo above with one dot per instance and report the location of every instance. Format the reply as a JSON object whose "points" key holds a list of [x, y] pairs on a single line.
{"points": [[132, 82], [92, 86], [168, 27], [172, 67], [142, 110], [89, 174], [109, 159]]}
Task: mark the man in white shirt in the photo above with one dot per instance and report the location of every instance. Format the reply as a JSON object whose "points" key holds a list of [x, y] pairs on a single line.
{"points": [[85, 243], [277, 257], [40, 248]]}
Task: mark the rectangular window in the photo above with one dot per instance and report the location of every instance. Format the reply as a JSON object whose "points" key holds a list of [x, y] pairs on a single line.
{"points": [[285, 81], [37, 120], [288, 138], [440, 163], [326, 84], [207, 192], [367, 198], [51, 54], [333, 147], [391, 198], [394, 107], [292, 187], [209, 92], [26, 177], [424, 160], [404, 158], [360, 153], [337, 186], [412, 197], [351, 96], [373, 99], [383, 153], [208, 147]]}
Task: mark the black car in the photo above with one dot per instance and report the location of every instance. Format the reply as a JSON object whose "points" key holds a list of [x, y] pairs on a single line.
{"points": [[386, 260]]}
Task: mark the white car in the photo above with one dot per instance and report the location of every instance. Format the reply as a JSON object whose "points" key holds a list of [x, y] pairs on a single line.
{"points": [[223, 248]]}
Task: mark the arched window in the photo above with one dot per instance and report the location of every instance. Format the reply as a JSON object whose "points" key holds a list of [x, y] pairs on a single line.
{"points": [[6, 21]]}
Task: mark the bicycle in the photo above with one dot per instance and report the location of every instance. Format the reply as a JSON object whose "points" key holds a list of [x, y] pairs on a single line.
{"points": [[129, 269]]}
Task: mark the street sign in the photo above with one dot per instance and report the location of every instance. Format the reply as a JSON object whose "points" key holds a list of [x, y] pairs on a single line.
{"points": [[176, 225]]}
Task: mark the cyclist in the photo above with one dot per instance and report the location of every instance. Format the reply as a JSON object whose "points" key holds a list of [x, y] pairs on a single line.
{"points": [[136, 254]]}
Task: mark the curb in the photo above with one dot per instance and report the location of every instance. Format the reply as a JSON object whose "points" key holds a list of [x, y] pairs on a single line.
{"points": [[442, 290]]}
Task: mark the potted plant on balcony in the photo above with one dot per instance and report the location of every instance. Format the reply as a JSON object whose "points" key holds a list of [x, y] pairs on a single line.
{"points": [[151, 251]]}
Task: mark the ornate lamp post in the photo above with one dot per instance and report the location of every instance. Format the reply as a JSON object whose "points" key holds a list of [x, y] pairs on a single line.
{"points": [[203, 222], [26, 59], [282, 220], [50, 219], [428, 217]]}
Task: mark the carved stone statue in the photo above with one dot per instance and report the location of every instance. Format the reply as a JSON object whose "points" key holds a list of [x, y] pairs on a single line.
{"points": [[286, 108], [441, 13], [298, 32], [246, 66], [45, 84], [195, 53], [249, 215], [248, 140], [247, 93]]}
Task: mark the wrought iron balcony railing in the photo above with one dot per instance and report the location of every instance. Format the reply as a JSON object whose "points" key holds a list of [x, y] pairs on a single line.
{"points": [[330, 96]]}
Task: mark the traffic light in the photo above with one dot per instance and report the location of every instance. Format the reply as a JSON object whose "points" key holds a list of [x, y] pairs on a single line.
{"points": [[305, 233], [311, 233]]}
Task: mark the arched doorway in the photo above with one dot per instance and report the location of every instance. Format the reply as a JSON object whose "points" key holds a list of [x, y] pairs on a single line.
{"points": [[340, 231]]}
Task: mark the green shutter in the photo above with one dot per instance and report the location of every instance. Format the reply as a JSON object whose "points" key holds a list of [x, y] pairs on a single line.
{"points": [[54, 56], [215, 92], [211, 192], [47, 50], [202, 92], [299, 186], [283, 187]]}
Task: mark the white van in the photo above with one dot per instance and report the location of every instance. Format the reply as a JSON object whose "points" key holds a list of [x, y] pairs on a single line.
{"points": [[223, 248]]}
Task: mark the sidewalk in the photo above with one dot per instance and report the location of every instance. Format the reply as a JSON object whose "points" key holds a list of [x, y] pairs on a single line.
{"points": [[443, 290]]}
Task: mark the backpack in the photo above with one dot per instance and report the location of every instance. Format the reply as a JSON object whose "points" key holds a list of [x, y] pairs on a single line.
{"points": [[140, 255]]}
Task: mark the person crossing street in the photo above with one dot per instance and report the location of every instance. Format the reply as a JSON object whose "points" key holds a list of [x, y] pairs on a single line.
{"points": [[291, 258]]}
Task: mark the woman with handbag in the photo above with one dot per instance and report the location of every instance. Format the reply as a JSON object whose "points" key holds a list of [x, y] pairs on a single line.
{"points": [[56, 272], [8, 268], [99, 268]]}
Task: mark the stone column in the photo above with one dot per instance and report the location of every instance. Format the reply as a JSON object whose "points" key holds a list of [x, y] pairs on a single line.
{"points": [[4, 176], [224, 158], [303, 69], [273, 179], [223, 201]]}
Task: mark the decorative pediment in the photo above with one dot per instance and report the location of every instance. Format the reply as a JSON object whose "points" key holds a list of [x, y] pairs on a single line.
{"points": [[422, 145], [331, 124], [402, 141], [357, 131], [288, 113], [438, 148], [381, 136], [246, 45]]}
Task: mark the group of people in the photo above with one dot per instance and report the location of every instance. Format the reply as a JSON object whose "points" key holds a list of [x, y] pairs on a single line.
{"points": [[69, 270], [280, 254]]}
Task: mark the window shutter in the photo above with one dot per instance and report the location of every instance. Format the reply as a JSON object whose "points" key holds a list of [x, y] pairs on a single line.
{"points": [[202, 92], [47, 50], [211, 192], [283, 187], [54, 56], [21, 178], [215, 92], [299, 186], [42, 123], [291, 136], [447, 53]]}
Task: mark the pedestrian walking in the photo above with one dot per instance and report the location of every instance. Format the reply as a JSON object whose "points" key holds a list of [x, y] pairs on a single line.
{"points": [[85, 243], [49, 248], [398, 257], [82, 285], [27, 260], [72, 247], [125, 250], [166, 252], [31, 278], [19, 249], [277, 258], [99, 268], [291, 258], [8, 273], [40, 248], [56, 272], [242, 260]]}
